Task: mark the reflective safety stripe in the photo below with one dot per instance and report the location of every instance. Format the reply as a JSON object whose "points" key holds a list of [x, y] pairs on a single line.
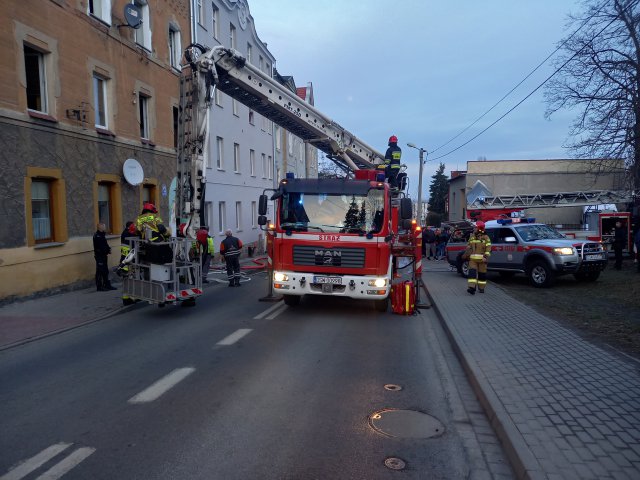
{"points": [[482, 282], [473, 281], [476, 256]]}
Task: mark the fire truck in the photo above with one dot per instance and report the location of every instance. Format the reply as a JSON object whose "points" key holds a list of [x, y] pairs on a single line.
{"points": [[339, 237]]}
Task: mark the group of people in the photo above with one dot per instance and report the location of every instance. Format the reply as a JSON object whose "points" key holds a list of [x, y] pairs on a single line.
{"points": [[434, 242], [148, 225], [620, 242]]}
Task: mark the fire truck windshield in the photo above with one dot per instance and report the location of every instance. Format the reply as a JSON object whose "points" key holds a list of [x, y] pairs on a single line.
{"points": [[347, 213]]}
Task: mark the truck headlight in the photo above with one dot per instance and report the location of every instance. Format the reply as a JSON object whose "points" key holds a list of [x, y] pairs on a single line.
{"points": [[280, 277], [378, 282], [563, 251]]}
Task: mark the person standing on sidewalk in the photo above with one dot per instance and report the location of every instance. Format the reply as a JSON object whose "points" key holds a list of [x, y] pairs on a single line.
{"points": [[204, 245], [478, 252], [619, 242], [101, 250], [231, 247]]}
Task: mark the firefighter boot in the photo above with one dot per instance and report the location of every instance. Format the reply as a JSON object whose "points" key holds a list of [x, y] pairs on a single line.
{"points": [[237, 281], [471, 290]]}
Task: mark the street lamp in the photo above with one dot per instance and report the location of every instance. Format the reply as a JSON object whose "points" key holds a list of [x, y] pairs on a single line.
{"points": [[422, 152]]}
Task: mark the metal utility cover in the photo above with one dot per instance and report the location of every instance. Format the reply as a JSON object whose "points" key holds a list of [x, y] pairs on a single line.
{"points": [[406, 424]]}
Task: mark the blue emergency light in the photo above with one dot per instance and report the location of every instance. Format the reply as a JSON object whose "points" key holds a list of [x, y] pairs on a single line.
{"points": [[290, 175], [380, 177], [507, 221]]}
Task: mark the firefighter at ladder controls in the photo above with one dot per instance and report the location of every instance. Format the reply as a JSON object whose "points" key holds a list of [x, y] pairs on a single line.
{"points": [[478, 252], [231, 248], [392, 161]]}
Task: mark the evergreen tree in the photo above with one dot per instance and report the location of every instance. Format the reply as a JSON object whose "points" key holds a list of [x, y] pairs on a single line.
{"points": [[351, 218], [362, 218], [439, 191]]}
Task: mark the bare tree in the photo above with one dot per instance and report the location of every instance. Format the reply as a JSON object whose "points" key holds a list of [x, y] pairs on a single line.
{"points": [[599, 74], [327, 168]]}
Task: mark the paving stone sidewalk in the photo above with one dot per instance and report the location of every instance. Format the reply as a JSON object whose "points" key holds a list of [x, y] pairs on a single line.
{"points": [[564, 408]]}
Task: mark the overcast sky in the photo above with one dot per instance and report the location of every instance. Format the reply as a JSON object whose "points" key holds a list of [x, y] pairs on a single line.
{"points": [[424, 70]]}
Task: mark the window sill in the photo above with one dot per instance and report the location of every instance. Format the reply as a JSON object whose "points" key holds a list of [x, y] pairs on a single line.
{"points": [[39, 246], [42, 116], [146, 141], [105, 131]]}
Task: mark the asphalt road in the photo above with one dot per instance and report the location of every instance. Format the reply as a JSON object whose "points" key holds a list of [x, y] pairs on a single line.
{"points": [[235, 388]]}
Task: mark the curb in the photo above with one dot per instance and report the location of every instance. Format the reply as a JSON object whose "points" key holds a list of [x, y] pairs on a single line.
{"points": [[522, 460]]}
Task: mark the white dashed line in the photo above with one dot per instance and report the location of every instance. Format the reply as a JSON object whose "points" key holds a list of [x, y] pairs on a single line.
{"points": [[268, 311], [62, 467], [234, 337], [162, 386], [277, 312], [34, 462]]}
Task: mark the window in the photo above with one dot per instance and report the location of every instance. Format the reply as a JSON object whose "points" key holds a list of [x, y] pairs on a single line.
{"points": [[222, 214], [175, 48], [251, 115], [36, 80], [219, 153], [143, 110], [234, 105], [100, 101], [101, 9], [218, 97], [232, 36], [278, 139], [143, 33], [238, 216], [260, 62], [208, 212], [175, 127], [249, 52], [254, 215], [215, 21], [264, 166], [270, 166], [236, 158], [268, 69], [252, 162], [200, 12], [45, 207], [290, 142], [41, 213], [149, 194], [104, 205]]}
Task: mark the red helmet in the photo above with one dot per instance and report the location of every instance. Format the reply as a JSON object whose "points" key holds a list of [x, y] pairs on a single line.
{"points": [[393, 139], [480, 225], [150, 206]]}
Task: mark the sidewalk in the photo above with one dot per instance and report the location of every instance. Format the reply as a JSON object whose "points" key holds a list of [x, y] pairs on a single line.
{"points": [[562, 407]]}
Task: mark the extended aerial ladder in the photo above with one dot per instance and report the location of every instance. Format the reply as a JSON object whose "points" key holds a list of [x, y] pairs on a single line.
{"points": [[558, 199]]}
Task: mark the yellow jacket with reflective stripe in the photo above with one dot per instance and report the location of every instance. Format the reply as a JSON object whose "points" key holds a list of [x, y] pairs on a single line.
{"points": [[479, 246]]}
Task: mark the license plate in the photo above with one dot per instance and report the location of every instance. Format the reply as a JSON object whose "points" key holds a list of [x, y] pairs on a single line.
{"points": [[332, 280], [593, 257]]}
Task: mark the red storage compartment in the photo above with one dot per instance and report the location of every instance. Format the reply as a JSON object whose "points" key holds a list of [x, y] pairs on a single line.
{"points": [[403, 298]]}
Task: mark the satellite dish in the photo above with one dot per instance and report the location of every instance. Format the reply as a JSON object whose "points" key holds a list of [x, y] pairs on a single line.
{"points": [[133, 15], [132, 171]]}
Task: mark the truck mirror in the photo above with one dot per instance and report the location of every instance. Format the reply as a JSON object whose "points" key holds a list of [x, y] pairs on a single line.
{"points": [[262, 205], [406, 209], [262, 220]]}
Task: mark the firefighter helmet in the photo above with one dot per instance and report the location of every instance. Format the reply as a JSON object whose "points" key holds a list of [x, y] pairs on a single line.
{"points": [[480, 225], [150, 207], [393, 139]]}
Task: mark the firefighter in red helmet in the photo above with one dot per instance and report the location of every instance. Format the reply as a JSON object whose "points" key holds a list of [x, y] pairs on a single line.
{"points": [[478, 252], [149, 224], [392, 161]]}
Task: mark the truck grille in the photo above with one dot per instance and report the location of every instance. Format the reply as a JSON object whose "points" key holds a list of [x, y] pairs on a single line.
{"points": [[588, 248], [328, 257]]}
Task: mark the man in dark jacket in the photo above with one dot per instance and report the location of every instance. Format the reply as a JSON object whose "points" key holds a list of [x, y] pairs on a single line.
{"points": [[101, 250], [619, 242], [392, 161], [428, 243], [231, 247]]}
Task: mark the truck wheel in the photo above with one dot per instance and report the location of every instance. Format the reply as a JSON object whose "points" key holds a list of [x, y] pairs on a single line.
{"points": [[462, 266], [382, 305], [291, 300], [540, 275], [587, 276]]}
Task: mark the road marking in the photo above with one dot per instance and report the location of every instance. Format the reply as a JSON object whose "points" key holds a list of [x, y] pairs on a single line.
{"points": [[62, 467], [281, 308], [35, 462], [234, 337], [162, 386], [267, 311]]}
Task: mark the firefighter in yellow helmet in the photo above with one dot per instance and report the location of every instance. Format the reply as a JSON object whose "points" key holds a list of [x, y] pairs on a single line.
{"points": [[478, 252]]}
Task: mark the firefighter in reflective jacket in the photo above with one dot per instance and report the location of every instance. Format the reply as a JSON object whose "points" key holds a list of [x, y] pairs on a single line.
{"points": [[150, 224], [478, 252], [392, 161], [125, 247], [231, 247]]}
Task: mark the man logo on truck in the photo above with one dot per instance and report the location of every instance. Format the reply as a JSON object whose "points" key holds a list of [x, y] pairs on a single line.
{"points": [[328, 257]]}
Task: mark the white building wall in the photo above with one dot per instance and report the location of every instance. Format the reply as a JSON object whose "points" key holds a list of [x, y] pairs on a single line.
{"points": [[232, 188]]}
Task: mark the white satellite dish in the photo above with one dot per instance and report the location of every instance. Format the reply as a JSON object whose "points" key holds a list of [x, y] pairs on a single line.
{"points": [[132, 171]]}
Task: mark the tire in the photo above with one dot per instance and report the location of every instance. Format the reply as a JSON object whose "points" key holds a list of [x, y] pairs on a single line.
{"points": [[462, 266], [291, 300], [587, 276], [540, 274], [381, 305]]}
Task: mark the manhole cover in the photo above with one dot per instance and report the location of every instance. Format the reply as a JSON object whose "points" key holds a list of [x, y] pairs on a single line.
{"points": [[392, 387], [406, 424], [395, 463]]}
